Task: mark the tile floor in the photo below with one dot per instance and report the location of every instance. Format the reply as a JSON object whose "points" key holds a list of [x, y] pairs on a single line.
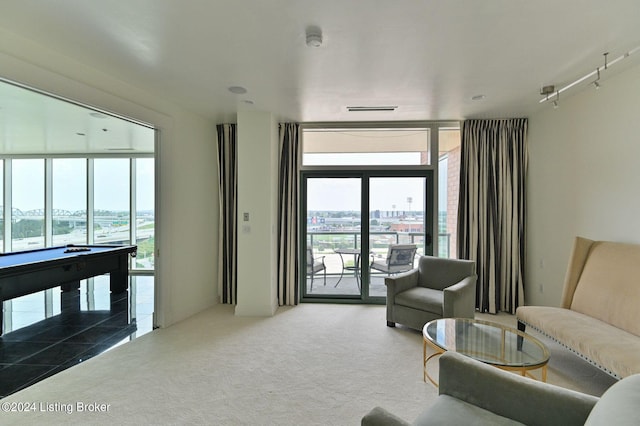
{"points": [[50, 331]]}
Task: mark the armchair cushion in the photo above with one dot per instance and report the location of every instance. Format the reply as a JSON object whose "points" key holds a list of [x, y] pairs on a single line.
{"points": [[422, 298]]}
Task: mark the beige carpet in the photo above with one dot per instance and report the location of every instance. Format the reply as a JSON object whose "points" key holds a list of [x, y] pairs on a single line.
{"points": [[314, 364]]}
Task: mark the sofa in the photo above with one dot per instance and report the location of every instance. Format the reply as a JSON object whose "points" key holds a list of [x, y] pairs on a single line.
{"points": [[599, 314], [437, 288], [473, 393]]}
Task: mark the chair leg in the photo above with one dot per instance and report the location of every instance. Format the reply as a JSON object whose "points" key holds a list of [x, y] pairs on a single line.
{"points": [[311, 291]]}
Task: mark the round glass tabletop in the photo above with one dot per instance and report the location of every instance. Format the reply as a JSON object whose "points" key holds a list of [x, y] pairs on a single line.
{"points": [[489, 342]]}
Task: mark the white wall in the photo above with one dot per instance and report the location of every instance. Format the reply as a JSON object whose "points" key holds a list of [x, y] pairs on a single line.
{"points": [[583, 178], [186, 268], [257, 174]]}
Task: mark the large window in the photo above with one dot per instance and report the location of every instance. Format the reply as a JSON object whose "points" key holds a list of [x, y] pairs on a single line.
{"points": [[112, 200], [27, 204], [145, 217], [110, 193], [369, 196], [69, 201], [366, 147]]}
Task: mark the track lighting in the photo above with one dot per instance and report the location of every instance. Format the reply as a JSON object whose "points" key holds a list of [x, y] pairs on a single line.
{"points": [[547, 90], [596, 83], [555, 102]]}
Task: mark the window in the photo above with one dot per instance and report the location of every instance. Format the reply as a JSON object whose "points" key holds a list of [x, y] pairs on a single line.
{"points": [[366, 147], [111, 200], [69, 201], [145, 217], [114, 181], [27, 204], [366, 190]]}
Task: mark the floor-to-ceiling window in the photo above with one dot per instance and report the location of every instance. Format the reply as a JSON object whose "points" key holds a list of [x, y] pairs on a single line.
{"points": [[368, 206], [27, 204], [69, 201]]}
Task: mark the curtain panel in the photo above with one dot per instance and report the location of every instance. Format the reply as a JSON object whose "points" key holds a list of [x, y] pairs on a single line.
{"points": [[227, 189], [288, 191], [492, 209]]}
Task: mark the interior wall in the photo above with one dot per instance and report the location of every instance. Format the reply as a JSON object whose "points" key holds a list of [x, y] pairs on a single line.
{"points": [[257, 174], [187, 203], [583, 178]]}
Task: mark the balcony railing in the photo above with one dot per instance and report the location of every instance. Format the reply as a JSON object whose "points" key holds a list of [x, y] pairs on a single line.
{"points": [[352, 239]]}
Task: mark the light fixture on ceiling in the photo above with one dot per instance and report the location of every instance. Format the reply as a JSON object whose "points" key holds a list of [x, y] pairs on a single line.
{"points": [[596, 83], [597, 72], [372, 108], [237, 90], [96, 114], [314, 36], [547, 90]]}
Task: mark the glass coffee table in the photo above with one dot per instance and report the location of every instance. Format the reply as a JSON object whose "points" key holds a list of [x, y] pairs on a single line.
{"points": [[492, 343]]}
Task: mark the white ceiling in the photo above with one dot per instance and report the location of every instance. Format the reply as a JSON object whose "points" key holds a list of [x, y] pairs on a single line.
{"points": [[32, 124], [428, 57]]}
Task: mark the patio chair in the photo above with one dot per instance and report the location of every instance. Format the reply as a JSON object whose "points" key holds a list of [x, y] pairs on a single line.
{"points": [[315, 265], [399, 258]]}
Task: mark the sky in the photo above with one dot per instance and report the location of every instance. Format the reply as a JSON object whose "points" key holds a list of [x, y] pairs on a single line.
{"points": [[387, 194], [111, 183]]}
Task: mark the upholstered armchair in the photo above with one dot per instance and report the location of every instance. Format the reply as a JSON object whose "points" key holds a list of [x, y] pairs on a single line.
{"points": [[438, 288]]}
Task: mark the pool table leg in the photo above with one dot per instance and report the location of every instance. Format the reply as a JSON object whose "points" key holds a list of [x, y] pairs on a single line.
{"points": [[70, 286], [119, 279]]}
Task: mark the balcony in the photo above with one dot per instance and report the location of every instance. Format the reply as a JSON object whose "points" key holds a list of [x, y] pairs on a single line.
{"points": [[341, 268]]}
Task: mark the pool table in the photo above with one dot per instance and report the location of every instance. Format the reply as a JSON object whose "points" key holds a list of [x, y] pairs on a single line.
{"points": [[30, 271]]}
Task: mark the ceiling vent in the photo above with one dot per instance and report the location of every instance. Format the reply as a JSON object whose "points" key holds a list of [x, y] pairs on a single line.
{"points": [[371, 108]]}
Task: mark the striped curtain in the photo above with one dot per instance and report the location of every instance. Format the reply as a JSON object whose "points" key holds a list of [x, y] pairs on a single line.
{"points": [[228, 189], [288, 190], [491, 216]]}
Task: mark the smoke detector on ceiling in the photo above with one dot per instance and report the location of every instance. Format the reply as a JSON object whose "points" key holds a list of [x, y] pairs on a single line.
{"points": [[314, 37]]}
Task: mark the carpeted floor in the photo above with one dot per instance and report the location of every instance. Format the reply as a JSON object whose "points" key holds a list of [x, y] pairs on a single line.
{"points": [[313, 364]]}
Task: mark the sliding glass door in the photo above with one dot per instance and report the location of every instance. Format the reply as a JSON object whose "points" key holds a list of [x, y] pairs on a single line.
{"points": [[333, 236], [399, 227], [347, 254]]}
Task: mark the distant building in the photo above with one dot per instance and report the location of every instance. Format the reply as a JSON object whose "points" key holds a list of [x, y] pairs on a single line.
{"points": [[407, 226]]}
